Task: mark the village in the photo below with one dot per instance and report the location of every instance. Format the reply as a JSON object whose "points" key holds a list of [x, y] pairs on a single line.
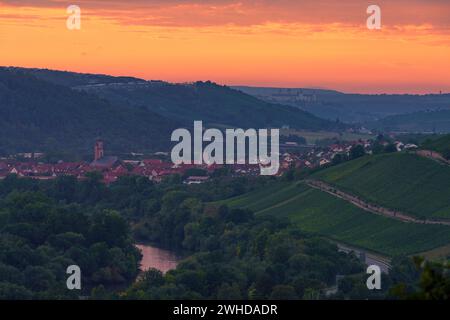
{"points": [[156, 169]]}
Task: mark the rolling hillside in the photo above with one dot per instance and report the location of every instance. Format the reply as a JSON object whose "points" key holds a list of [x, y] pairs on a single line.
{"points": [[37, 115], [318, 212], [46, 110], [71, 79], [423, 121], [216, 105], [440, 144], [417, 185], [405, 182], [350, 108]]}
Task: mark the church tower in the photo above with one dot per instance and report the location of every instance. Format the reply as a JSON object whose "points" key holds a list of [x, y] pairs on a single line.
{"points": [[98, 150]]}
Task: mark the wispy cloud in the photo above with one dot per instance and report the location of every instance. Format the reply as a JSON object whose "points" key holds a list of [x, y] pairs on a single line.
{"points": [[260, 42], [253, 12]]}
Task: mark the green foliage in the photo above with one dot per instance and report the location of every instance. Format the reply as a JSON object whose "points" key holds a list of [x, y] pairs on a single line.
{"points": [[440, 144], [422, 121], [238, 256], [357, 152], [366, 108], [202, 100], [315, 211], [404, 182], [232, 252], [40, 238], [62, 113], [283, 292], [36, 115], [293, 138], [338, 158], [433, 284], [195, 172], [390, 148], [46, 226]]}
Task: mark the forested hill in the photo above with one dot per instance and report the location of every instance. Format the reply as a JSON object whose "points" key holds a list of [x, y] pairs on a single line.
{"points": [[216, 105], [37, 115], [355, 108], [440, 144], [71, 79], [423, 121]]}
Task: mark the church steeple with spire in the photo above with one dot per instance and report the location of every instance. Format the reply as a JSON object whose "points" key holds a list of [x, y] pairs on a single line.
{"points": [[98, 150]]}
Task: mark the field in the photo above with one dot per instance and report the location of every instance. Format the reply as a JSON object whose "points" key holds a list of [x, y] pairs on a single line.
{"points": [[263, 198], [312, 137], [417, 186], [318, 212]]}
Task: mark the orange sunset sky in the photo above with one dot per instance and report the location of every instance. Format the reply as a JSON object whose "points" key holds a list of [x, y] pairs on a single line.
{"points": [[286, 43]]}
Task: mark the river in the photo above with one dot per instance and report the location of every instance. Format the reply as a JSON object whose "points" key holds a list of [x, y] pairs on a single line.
{"points": [[157, 258]]}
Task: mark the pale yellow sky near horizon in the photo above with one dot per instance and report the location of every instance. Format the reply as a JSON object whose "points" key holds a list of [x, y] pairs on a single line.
{"points": [[322, 43]]}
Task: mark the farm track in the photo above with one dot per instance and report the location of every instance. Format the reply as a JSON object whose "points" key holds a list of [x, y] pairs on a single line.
{"points": [[373, 208], [433, 155]]}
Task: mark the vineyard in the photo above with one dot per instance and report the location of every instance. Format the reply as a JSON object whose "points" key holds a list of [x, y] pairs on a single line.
{"points": [[415, 185]]}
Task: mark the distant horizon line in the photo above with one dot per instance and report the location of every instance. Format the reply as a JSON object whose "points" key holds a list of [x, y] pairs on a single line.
{"points": [[234, 85]]}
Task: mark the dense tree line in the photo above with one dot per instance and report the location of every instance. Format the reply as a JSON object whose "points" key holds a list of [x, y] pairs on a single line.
{"points": [[40, 238], [238, 256], [39, 116], [52, 224], [230, 253], [41, 111]]}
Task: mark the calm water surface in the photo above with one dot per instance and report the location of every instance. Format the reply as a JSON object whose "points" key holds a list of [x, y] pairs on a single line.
{"points": [[157, 258]]}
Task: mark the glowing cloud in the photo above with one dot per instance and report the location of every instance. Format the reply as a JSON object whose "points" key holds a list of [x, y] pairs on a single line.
{"points": [[321, 43]]}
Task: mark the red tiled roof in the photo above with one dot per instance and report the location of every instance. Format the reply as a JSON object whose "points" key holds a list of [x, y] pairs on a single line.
{"points": [[152, 161]]}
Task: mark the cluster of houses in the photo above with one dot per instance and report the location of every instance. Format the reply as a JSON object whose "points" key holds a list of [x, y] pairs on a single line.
{"points": [[112, 168], [316, 156]]}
